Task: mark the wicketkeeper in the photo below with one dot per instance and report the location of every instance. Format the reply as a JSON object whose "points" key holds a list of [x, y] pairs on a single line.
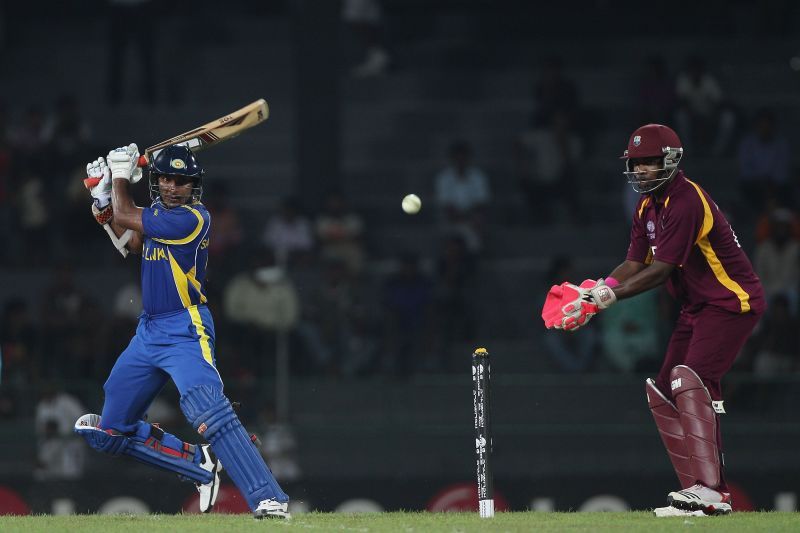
{"points": [[175, 336], [679, 237]]}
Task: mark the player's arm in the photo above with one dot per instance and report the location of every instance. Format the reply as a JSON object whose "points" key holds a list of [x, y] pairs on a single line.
{"points": [[135, 241], [639, 278], [126, 214], [98, 181], [626, 270], [124, 170]]}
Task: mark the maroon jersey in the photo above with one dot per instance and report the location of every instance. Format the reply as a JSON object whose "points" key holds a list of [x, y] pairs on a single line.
{"points": [[686, 229]]}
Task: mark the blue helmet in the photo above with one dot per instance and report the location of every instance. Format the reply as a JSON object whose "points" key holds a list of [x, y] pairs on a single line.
{"points": [[176, 160]]}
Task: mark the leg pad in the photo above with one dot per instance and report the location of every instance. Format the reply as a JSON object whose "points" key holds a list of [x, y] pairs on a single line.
{"points": [[669, 427], [210, 413], [149, 444], [699, 423]]}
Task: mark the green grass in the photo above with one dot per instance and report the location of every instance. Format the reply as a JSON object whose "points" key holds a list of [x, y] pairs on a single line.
{"points": [[405, 522]]}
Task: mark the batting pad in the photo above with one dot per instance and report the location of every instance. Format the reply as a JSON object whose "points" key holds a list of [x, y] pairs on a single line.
{"points": [[149, 444], [210, 413]]}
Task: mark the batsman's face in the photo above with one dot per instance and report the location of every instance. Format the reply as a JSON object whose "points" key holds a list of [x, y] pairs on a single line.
{"points": [[175, 190]]}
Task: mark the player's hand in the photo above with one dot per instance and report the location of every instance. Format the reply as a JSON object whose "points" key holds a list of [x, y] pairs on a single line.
{"points": [[551, 312], [124, 163], [602, 295], [577, 309], [590, 298], [98, 182], [564, 308]]}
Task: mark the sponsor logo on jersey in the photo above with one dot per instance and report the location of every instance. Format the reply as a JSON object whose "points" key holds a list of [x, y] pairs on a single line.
{"points": [[154, 254], [651, 230]]}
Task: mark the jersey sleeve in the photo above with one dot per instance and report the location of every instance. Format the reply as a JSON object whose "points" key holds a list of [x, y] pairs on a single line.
{"points": [[639, 247], [180, 225], [681, 224]]}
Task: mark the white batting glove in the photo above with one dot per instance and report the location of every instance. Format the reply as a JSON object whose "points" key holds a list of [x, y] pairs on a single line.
{"points": [[124, 163], [101, 193]]}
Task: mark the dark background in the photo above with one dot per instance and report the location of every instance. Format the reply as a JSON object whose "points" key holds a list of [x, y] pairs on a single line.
{"points": [[378, 402]]}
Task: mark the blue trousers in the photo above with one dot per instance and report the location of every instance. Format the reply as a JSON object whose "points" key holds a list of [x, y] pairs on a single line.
{"points": [[178, 346]]}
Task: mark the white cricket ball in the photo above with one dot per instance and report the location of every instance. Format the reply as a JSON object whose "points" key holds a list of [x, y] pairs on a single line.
{"points": [[412, 204]]}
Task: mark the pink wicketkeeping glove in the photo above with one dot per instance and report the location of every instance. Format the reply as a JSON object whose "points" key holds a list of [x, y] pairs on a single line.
{"points": [[551, 312], [578, 309], [567, 306]]}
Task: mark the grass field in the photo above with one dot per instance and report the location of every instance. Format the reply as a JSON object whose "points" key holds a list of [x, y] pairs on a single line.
{"points": [[405, 522]]}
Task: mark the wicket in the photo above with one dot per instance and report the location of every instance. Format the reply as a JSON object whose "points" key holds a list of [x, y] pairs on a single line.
{"points": [[481, 379]]}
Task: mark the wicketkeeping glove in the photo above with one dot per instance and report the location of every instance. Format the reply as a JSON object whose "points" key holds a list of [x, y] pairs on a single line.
{"points": [[124, 163], [577, 309], [583, 302], [570, 307]]}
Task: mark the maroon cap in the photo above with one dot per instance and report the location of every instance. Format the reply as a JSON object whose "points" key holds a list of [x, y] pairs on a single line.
{"points": [[651, 140]]}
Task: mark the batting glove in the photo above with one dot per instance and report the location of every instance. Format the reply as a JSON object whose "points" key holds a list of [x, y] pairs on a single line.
{"points": [[124, 163], [99, 174]]}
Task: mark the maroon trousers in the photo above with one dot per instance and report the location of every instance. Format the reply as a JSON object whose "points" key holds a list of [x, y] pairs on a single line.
{"points": [[707, 342]]}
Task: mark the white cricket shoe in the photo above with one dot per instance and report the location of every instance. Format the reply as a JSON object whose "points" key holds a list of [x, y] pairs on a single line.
{"points": [[209, 491], [662, 512], [272, 509], [701, 498]]}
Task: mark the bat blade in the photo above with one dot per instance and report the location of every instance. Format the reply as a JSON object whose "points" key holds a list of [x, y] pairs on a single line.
{"points": [[215, 132]]}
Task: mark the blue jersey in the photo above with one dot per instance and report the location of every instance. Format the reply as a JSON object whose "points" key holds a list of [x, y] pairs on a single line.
{"points": [[174, 257]]}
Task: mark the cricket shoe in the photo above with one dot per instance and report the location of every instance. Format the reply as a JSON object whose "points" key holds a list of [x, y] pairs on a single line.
{"points": [[272, 509], [209, 491], [662, 512], [701, 498]]}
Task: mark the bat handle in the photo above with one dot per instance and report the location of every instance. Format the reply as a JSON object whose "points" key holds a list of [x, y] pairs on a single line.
{"points": [[142, 161]]}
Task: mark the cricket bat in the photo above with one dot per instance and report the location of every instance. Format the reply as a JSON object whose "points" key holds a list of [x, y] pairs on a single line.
{"points": [[215, 132], [207, 135]]}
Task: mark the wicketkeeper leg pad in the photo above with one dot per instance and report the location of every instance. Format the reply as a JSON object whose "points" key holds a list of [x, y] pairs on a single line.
{"points": [[669, 427], [211, 414], [699, 422], [149, 444]]}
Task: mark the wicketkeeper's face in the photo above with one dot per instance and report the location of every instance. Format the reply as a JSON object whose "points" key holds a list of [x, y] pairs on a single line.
{"points": [[648, 168], [175, 190]]}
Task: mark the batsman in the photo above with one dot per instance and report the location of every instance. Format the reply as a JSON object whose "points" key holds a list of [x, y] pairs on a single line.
{"points": [[679, 237], [174, 337]]}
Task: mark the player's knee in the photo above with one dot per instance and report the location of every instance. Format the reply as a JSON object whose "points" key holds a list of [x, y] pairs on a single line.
{"points": [[207, 409], [682, 378]]}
